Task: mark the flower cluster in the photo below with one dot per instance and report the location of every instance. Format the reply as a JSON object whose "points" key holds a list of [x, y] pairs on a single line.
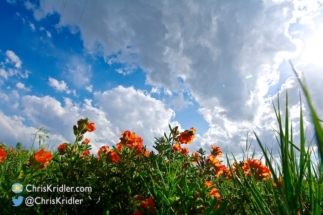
{"points": [[148, 203], [254, 167], [212, 160], [43, 158], [132, 141], [110, 154], [214, 193], [187, 136]]}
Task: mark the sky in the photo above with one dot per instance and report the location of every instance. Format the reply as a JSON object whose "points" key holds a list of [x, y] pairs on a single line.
{"points": [[217, 66]]}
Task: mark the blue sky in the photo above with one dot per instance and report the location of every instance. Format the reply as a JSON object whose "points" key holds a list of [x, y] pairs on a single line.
{"points": [[141, 65]]}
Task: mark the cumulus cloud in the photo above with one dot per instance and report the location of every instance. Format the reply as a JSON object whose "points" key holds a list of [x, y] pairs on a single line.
{"points": [[115, 110], [21, 86], [13, 58], [60, 86], [227, 55], [89, 88], [78, 72]]}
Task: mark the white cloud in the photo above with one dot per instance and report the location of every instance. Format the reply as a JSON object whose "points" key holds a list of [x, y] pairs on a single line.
{"points": [[13, 58], [60, 86], [32, 26], [89, 88], [48, 34], [118, 109], [178, 102], [21, 86], [78, 72], [212, 47], [155, 90]]}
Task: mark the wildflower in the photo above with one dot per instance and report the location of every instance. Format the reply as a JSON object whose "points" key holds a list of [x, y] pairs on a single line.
{"points": [[11, 150], [185, 151], [213, 160], [119, 147], [196, 157], [151, 204], [177, 147], [208, 184], [3, 155], [104, 150], [43, 156], [216, 151], [90, 127], [193, 130], [114, 157], [186, 137], [215, 193], [146, 153], [86, 152], [61, 148], [86, 141]]}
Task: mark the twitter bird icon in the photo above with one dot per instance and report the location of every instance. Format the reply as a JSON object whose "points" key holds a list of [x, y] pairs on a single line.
{"points": [[18, 201]]}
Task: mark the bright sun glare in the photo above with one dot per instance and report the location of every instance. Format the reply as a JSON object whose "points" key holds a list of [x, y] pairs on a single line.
{"points": [[313, 50]]}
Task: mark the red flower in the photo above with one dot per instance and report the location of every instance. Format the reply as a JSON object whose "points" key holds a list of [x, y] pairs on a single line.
{"points": [[186, 137], [114, 157], [86, 141], [177, 147], [90, 127], [185, 151], [3, 155], [61, 148], [104, 150], [151, 204], [216, 151], [137, 213], [43, 156], [86, 152]]}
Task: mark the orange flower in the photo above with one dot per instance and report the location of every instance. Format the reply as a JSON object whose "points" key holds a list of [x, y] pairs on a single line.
{"points": [[86, 141], [193, 130], [61, 148], [208, 184], [196, 157], [219, 170], [104, 150], [43, 156], [215, 193], [147, 153], [3, 155], [86, 152], [114, 157], [11, 150], [216, 151], [186, 137], [185, 151], [177, 147], [213, 160], [90, 127], [119, 146]]}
